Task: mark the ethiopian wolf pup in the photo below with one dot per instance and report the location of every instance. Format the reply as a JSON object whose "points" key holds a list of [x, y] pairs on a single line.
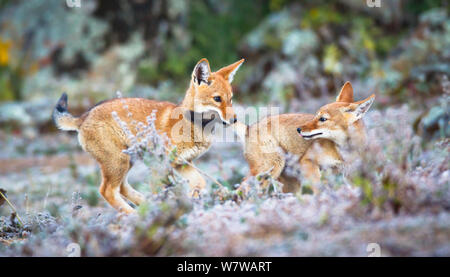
{"points": [[316, 139], [100, 134], [335, 127]]}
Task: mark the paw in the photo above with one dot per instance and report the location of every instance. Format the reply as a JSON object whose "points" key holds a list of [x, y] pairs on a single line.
{"points": [[195, 193]]}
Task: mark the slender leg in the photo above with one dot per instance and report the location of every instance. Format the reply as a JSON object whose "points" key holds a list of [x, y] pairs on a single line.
{"points": [[290, 184], [110, 189], [196, 180], [274, 162], [311, 172], [113, 163], [129, 192]]}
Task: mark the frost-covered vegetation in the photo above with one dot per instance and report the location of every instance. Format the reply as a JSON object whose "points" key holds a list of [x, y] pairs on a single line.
{"points": [[297, 55]]}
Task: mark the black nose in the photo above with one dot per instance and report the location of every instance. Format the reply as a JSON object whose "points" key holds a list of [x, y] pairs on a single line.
{"points": [[233, 120], [299, 130]]}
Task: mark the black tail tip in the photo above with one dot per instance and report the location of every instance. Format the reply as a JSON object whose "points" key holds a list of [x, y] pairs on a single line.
{"points": [[61, 106]]}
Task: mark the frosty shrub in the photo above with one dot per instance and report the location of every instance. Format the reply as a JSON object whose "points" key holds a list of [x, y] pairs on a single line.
{"points": [[394, 193], [260, 186], [154, 149], [395, 173]]}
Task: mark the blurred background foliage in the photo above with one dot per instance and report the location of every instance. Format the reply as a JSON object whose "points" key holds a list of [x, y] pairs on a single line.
{"points": [[294, 50]]}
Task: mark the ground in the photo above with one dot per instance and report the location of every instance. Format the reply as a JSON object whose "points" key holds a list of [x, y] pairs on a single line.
{"points": [[56, 195]]}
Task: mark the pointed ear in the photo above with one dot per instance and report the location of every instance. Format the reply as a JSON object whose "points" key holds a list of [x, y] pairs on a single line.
{"points": [[201, 72], [228, 72], [346, 94], [361, 107]]}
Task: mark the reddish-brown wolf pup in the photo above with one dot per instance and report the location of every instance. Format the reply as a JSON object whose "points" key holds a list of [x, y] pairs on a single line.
{"points": [[101, 136]]}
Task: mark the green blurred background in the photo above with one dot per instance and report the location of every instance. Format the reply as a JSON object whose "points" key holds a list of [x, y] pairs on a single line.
{"points": [[294, 50]]}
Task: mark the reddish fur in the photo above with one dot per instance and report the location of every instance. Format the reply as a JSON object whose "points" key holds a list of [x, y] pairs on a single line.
{"points": [[101, 136], [313, 154]]}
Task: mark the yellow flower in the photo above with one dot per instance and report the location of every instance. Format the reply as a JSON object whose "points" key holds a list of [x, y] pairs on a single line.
{"points": [[4, 52]]}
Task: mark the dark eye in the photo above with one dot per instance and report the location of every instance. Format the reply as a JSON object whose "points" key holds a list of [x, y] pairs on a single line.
{"points": [[322, 119], [217, 98]]}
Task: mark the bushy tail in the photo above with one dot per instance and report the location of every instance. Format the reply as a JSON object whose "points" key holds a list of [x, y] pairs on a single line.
{"points": [[62, 118]]}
